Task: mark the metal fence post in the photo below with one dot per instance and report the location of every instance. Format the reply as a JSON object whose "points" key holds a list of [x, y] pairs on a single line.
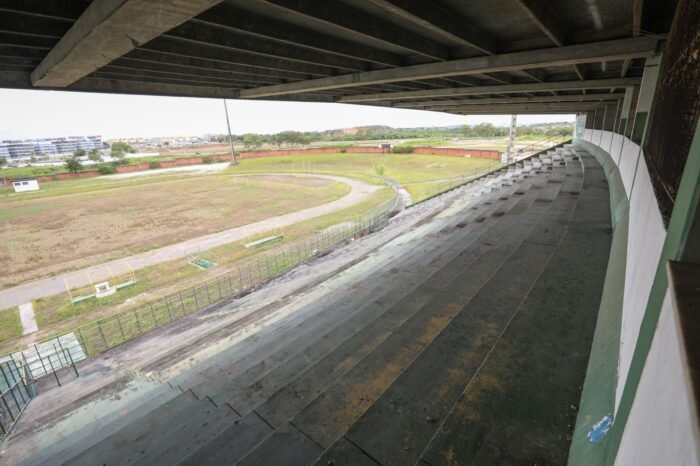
{"points": [[153, 315], [38, 355], [218, 284], [206, 288], [182, 303], [121, 330], [138, 324], [99, 326], [167, 307], [75, 368], [82, 340], [54, 372], [196, 303]]}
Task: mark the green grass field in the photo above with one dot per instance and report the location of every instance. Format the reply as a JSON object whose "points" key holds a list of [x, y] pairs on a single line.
{"points": [[404, 168], [56, 314], [10, 325]]}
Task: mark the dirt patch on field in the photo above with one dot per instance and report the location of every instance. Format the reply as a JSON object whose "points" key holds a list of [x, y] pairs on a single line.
{"points": [[53, 234]]}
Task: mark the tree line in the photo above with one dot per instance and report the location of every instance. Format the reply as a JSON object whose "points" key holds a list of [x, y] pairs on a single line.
{"points": [[298, 138]]}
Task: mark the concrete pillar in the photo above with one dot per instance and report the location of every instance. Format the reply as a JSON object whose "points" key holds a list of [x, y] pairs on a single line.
{"points": [[580, 125], [625, 125], [646, 96], [609, 116], [511, 138]]}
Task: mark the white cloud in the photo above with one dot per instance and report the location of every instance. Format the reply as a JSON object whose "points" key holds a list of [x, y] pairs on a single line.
{"points": [[35, 113]]}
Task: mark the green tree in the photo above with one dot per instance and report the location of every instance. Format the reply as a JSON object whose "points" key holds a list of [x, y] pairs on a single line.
{"points": [[94, 155], [3, 161], [121, 148], [379, 169], [252, 140], [79, 153], [73, 165]]}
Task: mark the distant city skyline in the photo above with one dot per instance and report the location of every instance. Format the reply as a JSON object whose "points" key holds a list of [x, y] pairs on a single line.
{"points": [[29, 114]]}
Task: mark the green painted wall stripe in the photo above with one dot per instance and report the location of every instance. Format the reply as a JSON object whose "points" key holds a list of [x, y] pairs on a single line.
{"points": [[598, 397]]}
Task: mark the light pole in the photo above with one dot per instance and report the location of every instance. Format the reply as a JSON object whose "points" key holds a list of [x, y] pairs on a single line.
{"points": [[230, 139]]}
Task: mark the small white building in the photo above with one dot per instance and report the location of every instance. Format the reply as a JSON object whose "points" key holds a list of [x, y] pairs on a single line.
{"points": [[22, 185]]}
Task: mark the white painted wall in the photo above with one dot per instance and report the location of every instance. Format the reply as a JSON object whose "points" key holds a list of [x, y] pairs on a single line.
{"points": [[645, 240], [661, 429]]}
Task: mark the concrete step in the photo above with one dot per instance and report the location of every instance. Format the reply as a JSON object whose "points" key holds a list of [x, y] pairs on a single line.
{"points": [[75, 438], [291, 396], [396, 428], [405, 272], [135, 435], [337, 407], [536, 396], [233, 377]]}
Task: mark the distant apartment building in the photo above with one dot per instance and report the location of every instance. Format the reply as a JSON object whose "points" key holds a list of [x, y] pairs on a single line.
{"points": [[20, 150]]}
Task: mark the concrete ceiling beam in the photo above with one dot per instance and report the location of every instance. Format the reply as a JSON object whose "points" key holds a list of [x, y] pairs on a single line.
{"points": [[639, 47], [108, 29], [340, 16], [506, 89], [507, 100]]}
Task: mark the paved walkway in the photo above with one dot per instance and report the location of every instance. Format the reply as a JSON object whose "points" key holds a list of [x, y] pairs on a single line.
{"points": [[26, 315], [195, 169], [360, 191]]}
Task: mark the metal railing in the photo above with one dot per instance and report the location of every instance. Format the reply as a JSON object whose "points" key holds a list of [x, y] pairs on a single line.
{"points": [[443, 186], [47, 358], [16, 391]]}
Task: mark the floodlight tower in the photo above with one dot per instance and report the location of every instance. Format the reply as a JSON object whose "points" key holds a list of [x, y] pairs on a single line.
{"points": [[511, 138], [230, 139]]}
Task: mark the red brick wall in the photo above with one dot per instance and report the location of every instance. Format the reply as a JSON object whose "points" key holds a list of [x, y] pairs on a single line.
{"points": [[67, 176], [366, 150], [132, 168], [274, 153], [482, 154]]}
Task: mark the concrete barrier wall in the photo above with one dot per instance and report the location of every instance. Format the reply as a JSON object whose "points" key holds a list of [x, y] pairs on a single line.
{"points": [[659, 426], [644, 244]]}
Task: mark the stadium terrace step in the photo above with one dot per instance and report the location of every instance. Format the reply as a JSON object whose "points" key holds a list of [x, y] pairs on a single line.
{"points": [[489, 423], [377, 297], [321, 312], [338, 406]]}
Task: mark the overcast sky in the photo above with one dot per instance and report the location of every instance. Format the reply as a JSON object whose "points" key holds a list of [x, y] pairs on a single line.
{"points": [[32, 113]]}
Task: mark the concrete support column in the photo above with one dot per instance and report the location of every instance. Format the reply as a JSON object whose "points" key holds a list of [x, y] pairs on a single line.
{"points": [[646, 96], [609, 116], [626, 114], [580, 125]]}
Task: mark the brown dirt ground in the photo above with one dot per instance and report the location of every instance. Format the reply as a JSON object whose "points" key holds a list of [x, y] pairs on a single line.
{"points": [[46, 236]]}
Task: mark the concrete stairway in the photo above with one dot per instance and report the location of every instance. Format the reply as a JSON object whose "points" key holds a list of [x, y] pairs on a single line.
{"points": [[465, 342]]}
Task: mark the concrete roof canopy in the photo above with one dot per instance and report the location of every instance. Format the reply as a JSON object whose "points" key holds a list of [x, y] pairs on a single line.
{"points": [[516, 56]]}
